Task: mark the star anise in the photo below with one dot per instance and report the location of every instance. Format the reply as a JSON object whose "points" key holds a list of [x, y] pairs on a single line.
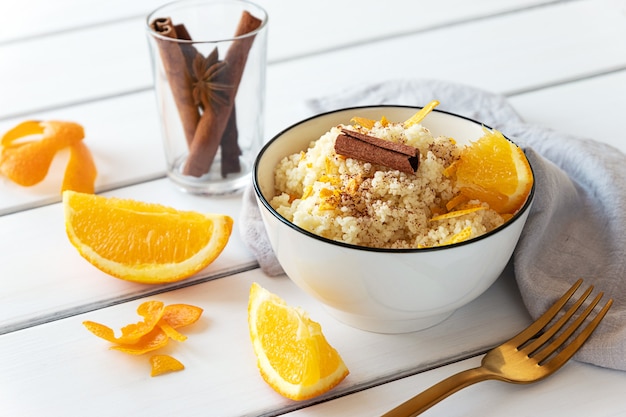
{"points": [[207, 88]]}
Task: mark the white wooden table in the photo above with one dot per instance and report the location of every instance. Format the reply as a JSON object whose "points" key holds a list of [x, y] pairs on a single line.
{"points": [[562, 64]]}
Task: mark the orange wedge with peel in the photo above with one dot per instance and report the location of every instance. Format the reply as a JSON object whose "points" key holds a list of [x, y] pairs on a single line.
{"points": [[293, 356], [494, 170], [143, 242]]}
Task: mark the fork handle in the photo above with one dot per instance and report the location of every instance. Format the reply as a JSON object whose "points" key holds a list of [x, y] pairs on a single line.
{"points": [[438, 392]]}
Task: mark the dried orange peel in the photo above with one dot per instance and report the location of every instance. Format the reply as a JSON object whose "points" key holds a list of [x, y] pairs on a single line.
{"points": [[151, 311], [154, 332], [164, 363], [29, 148]]}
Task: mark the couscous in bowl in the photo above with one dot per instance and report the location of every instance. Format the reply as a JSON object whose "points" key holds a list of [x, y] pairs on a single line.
{"points": [[381, 289]]}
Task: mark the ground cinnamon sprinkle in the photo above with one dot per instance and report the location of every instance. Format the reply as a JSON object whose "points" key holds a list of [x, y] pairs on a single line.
{"points": [[368, 204]]}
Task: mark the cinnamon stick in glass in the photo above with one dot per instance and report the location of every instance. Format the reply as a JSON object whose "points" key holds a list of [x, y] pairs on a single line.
{"points": [[229, 145], [214, 119], [178, 76]]}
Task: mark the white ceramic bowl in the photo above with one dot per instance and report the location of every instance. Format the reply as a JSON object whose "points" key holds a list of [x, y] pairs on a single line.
{"points": [[382, 290]]}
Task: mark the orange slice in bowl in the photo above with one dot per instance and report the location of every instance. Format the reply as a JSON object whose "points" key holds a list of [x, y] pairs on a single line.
{"points": [[494, 170], [143, 242]]}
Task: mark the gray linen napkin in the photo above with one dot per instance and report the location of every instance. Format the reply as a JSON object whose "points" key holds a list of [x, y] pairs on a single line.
{"points": [[577, 226]]}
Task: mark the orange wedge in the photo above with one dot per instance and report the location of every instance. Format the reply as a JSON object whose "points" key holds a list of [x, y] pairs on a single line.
{"points": [[495, 171], [293, 355], [143, 242]]}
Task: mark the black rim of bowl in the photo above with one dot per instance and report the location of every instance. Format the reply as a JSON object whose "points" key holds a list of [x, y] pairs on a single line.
{"points": [[268, 206]]}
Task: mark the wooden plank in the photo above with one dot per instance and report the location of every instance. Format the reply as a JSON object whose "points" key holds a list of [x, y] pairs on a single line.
{"points": [[41, 18], [113, 58], [502, 55], [591, 108], [66, 68], [322, 26], [221, 378], [32, 18]]}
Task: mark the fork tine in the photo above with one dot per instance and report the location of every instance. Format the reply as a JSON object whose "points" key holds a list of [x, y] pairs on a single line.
{"points": [[565, 354], [551, 331], [545, 318], [562, 338]]}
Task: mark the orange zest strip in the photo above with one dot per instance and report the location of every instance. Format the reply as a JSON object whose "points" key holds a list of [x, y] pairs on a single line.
{"points": [[456, 201], [457, 213], [364, 122], [420, 115], [462, 236]]}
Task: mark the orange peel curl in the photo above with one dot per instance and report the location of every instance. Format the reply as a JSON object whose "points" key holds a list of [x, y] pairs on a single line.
{"points": [[29, 148]]}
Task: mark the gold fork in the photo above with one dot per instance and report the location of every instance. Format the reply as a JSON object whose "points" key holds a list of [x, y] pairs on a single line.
{"points": [[535, 353]]}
